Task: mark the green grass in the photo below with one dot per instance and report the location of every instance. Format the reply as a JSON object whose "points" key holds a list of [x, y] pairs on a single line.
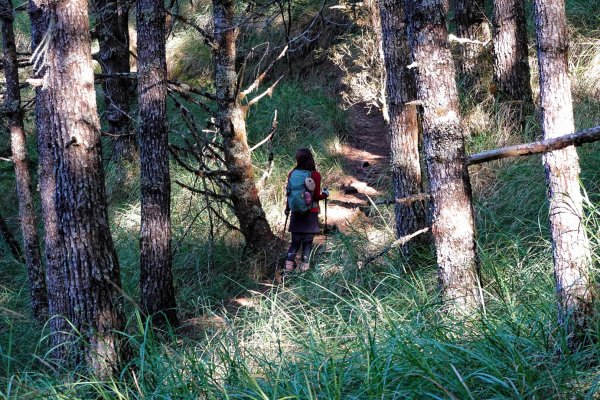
{"points": [[339, 331]]}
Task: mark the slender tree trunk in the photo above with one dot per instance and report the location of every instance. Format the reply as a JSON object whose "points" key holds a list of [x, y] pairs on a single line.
{"points": [[90, 263], [511, 59], [58, 304], [403, 125], [156, 280], [452, 220], [570, 245], [112, 30], [33, 259], [471, 23], [231, 121]]}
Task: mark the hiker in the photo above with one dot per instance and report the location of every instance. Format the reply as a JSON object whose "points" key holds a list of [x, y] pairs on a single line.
{"points": [[303, 193]]}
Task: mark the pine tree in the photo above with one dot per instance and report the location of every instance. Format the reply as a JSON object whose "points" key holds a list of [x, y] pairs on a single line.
{"points": [[570, 245], [156, 280], [452, 211], [90, 264]]}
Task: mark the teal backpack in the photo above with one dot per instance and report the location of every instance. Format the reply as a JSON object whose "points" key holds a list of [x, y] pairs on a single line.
{"points": [[299, 197]]}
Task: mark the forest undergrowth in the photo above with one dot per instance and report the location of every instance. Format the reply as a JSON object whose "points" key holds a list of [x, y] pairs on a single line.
{"points": [[341, 330]]}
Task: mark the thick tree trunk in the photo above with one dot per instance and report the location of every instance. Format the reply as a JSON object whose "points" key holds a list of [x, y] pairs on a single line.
{"points": [[231, 121], [570, 245], [403, 125], [452, 220], [33, 259], [156, 280], [90, 263], [58, 304], [471, 23], [112, 31], [511, 59]]}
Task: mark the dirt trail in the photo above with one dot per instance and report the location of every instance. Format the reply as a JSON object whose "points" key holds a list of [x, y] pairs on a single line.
{"points": [[366, 165]]}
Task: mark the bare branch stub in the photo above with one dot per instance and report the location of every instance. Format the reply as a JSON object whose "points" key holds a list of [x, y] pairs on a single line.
{"points": [[254, 85], [268, 92]]}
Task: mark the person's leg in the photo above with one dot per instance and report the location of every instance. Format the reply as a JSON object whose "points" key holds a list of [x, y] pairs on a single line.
{"points": [[291, 254], [307, 245]]}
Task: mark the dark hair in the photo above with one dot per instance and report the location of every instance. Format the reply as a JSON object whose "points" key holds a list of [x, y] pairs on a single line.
{"points": [[305, 160]]}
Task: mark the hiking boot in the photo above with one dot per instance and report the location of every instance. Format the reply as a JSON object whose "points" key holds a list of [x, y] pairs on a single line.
{"points": [[289, 266], [304, 267]]}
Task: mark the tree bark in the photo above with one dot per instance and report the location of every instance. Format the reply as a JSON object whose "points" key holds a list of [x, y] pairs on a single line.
{"points": [[156, 280], [90, 263], [58, 305], [471, 23], [452, 211], [403, 124], [33, 259], [112, 31], [570, 245], [231, 121], [511, 59]]}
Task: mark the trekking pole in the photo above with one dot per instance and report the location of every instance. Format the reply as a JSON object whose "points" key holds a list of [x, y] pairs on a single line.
{"points": [[284, 225], [326, 226]]}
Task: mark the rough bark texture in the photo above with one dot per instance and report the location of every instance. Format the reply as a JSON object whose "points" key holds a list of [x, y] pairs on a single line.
{"points": [[231, 120], [570, 245], [112, 32], [452, 213], [33, 259], [471, 23], [58, 304], [511, 65], [156, 280], [403, 125], [90, 263]]}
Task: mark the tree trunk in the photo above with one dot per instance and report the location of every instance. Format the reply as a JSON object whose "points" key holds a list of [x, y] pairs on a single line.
{"points": [[90, 263], [511, 60], [156, 280], [570, 245], [33, 259], [58, 305], [471, 23], [403, 125], [452, 219], [112, 31], [231, 121]]}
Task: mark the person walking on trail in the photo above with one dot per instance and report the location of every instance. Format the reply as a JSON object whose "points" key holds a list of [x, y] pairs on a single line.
{"points": [[303, 193]]}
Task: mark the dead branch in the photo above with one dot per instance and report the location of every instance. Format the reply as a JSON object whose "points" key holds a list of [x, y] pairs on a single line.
{"points": [[543, 146], [399, 242], [407, 201], [456, 39], [7, 159], [262, 76], [270, 163], [118, 75], [186, 96], [187, 88], [269, 136], [208, 39], [268, 92], [210, 193]]}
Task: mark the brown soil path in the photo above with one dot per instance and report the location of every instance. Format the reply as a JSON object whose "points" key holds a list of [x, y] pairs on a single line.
{"points": [[366, 167]]}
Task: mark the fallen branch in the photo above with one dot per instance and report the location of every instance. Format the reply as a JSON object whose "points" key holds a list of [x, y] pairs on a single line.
{"points": [[456, 39], [405, 200], [575, 139], [399, 242]]}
